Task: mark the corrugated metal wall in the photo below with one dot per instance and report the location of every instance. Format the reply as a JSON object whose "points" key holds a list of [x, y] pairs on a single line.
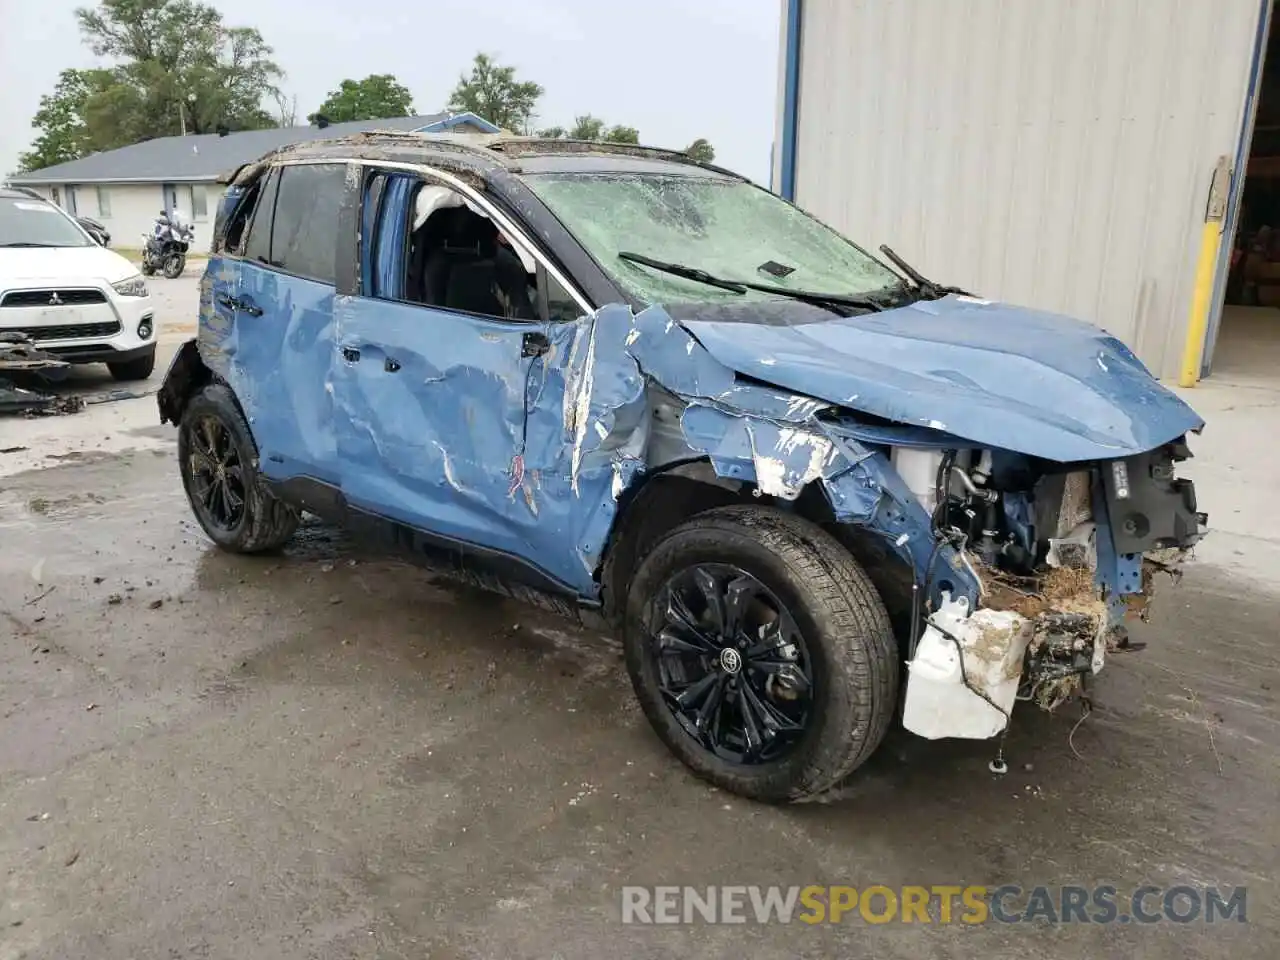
{"points": [[1055, 153]]}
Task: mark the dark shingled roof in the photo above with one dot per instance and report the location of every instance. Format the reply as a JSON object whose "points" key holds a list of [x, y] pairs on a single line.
{"points": [[197, 158]]}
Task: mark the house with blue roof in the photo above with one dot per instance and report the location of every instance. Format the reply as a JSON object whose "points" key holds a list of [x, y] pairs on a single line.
{"points": [[126, 188]]}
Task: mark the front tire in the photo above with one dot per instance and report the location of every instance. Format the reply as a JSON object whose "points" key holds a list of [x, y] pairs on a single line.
{"points": [[137, 369], [761, 653], [174, 264], [218, 460]]}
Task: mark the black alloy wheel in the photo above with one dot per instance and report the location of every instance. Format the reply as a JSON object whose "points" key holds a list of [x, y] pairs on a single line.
{"points": [[217, 475], [732, 665]]}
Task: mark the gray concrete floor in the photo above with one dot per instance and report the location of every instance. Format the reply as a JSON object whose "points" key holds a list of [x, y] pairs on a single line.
{"points": [[327, 754]]}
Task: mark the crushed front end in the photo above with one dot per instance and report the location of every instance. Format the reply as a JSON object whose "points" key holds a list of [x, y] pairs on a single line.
{"points": [[1063, 554]]}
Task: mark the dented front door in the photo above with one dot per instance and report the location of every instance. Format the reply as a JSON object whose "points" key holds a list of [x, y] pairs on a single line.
{"points": [[429, 417], [508, 436], [512, 437]]}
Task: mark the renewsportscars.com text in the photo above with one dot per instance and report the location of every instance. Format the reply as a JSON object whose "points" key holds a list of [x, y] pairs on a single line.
{"points": [[936, 904]]}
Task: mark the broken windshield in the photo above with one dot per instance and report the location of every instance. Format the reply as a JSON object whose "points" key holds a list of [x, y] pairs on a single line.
{"points": [[728, 228]]}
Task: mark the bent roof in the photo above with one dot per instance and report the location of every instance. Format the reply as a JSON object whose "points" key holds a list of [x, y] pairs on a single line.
{"points": [[200, 157], [483, 153]]}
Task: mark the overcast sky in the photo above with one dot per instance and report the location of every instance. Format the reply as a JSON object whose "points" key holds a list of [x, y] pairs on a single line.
{"points": [[675, 69]]}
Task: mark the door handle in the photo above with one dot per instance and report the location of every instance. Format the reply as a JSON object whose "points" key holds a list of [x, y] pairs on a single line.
{"points": [[247, 306], [350, 354], [391, 366], [229, 302]]}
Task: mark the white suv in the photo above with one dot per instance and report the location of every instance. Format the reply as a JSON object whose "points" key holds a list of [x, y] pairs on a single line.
{"points": [[75, 299]]}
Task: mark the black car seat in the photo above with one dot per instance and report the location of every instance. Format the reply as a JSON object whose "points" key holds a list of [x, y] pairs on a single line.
{"points": [[467, 269]]}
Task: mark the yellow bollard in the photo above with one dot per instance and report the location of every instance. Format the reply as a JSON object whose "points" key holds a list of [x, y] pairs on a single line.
{"points": [[1206, 264]]}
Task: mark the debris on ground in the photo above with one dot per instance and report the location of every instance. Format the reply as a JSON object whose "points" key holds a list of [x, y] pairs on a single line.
{"points": [[114, 599], [24, 369]]}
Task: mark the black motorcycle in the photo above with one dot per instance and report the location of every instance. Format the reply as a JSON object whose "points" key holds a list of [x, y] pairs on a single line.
{"points": [[166, 248]]}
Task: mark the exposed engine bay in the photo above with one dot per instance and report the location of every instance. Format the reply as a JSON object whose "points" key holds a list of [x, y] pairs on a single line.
{"points": [[1062, 553]]}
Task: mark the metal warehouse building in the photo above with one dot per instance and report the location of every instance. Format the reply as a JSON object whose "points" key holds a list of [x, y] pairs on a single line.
{"points": [[1055, 153]]}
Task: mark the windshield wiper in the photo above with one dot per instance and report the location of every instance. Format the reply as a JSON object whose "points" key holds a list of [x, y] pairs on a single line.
{"points": [[829, 301], [929, 289], [680, 270], [26, 243]]}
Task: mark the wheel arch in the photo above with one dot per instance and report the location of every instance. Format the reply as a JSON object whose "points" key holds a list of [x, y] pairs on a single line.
{"points": [[187, 374], [668, 496]]}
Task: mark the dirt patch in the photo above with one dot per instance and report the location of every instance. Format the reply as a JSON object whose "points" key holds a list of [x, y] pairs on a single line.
{"points": [[1063, 589]]}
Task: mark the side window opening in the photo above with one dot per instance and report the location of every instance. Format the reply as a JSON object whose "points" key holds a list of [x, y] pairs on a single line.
{"points": [[257, 245], [456, 258], [236, 209]]}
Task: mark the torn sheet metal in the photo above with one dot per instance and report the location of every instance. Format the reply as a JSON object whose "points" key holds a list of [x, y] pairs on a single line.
{"points": [[773, 438], [24, 368], [472, 440], [780, 459], [19, 355]]}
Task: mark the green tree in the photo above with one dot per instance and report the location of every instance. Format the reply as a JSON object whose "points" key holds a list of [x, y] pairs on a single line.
{"points": [[377, 96], [191, 72], [64, 132], [176, 67], [622, 135], [492, 92], [701, 150], [586, 127]]}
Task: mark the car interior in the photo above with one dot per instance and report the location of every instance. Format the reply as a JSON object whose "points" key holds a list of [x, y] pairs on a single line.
{"points": [[460, 260], [456, 258]]}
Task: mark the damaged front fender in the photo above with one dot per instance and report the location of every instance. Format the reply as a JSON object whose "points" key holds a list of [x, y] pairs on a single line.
{"points": [[776, 441]]}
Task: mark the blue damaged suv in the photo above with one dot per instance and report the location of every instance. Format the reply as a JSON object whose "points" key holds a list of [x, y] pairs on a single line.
{"points": [[637, 387]]}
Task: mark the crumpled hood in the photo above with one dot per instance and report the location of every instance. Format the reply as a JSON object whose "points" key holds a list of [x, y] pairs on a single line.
{"points": [[1002, 376]]}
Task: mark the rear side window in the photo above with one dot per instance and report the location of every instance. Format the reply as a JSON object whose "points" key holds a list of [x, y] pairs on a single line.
{"points": [[257, 246], [304, 232]]}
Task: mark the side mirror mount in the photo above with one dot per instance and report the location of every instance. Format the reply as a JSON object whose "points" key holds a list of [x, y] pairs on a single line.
{"points": [[534, 343]]}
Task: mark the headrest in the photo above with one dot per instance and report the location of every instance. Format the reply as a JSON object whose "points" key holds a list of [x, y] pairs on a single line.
{"points": [[464, 232]]}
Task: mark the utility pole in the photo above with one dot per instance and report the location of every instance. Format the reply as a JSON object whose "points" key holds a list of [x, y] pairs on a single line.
{"points": [[182, 116]]}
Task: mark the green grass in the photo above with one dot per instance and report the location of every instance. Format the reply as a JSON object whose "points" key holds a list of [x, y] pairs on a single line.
{"points": [[135, 253]]}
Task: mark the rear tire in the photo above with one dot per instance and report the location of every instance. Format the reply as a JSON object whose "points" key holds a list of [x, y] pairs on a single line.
{"points": [[219, 465], [137, 369], [844, 651]]}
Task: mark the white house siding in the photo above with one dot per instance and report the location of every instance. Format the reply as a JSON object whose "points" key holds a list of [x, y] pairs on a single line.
{"points": [[135, 206], [1052, 153]]}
